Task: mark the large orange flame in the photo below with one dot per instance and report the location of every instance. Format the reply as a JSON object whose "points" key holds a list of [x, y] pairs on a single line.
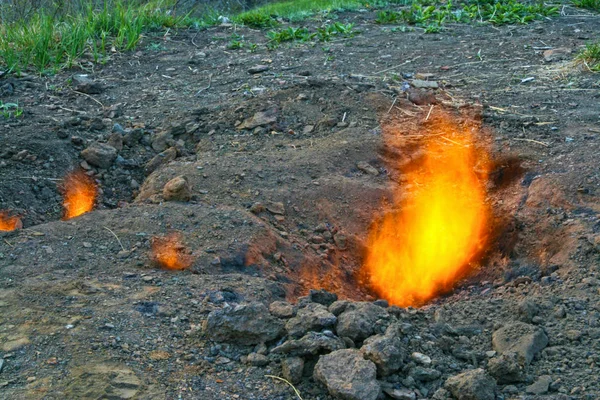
{"points": [[8, 222], [79, 192], [442, 224], [169, 252]]}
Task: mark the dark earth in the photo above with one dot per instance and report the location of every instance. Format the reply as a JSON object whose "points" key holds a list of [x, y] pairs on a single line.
{"points": [[286, 156]]}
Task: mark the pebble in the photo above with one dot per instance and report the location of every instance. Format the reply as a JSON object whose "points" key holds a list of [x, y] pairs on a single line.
{"points": [[257, 69], [421, 358]]}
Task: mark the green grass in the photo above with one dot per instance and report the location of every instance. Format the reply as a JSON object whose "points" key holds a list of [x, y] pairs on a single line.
{"points": [[48, 42], [590, 56], [589, 4], [8, 110]]}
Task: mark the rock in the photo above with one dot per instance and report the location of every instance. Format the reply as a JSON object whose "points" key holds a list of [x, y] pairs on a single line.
{"points": [[160, 159], [322, 296], [244, 324], [311, 344], [258, 360], [340, 240], [133, 137], [7, 89], [115, 140], [275, 207], [386, 351], [421, 358], [177, 189], [472, 385], [523, 339], [313, 317], [422, 374], [560, 53], [400, 394], [358, 322], [102, 381], [100, 155], [282, 309], [197, 58], [291, 369], [421, 97], [257, 69], [506, 368], [84, 84], [308, 129], [161, 141], [527, 310], [261, 118], [540, 386], [573, 334], [367, 168], [347, 375], [338, 307], [14, 344], [421, 84]]}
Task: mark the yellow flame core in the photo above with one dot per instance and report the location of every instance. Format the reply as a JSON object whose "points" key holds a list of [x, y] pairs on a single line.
{"points": [[169, 252], [423, 249], [8, 222], [79, 192]]}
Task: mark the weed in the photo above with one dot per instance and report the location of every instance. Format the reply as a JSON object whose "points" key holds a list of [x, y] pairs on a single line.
{"points": [[432, 28], [290, 34], [387, 17], [236, 42], [589, 4], [590, 56], [10, 109], [328, 31], [256, 19]]}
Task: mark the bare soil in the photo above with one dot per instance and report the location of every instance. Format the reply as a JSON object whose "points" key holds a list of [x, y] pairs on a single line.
{"points": [[282, 208]]}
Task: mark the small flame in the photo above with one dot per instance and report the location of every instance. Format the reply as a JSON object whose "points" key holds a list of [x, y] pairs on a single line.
{"points": [[442, 224], [169, 252], [8, 222], [79, 193]]}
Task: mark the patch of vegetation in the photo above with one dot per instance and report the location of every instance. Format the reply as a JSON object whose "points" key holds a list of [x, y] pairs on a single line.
{"points": [[388, 17], [290, 34], [590, 56], [49, 41], [328, 31], [298, 10], [10, 110], [324, 33], [236, 42], [589, 4], [256, 19]]}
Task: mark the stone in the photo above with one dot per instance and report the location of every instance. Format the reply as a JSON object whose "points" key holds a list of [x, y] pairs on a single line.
{"points": [[282, 309], [311, 344], [421, 358], [246, 324], [527, 310], [99, 155], [421, 84], [472, 385], [258, 360], [102, 381], [358, 322], [367, 168], [291, 369], [506, 368], [400, 394], [560, 53], [573, 335], [133, 137], [386, 351], [347, 375], [313, 317], [338, 307], [421, 97], [540, 386], [341, 241], [14, 344], [161, 141], [177, 189], [84, 84], [275, 207], [257, 69], [160, 159], [322, 296], [261, 118], [422, 374], [115, 140], [523, 339]]}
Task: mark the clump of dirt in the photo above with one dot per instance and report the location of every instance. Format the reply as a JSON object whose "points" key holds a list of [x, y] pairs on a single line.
{"points": [[275, 175]]}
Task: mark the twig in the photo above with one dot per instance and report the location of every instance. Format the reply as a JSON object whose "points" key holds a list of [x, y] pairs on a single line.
{"points": [[205, 88], [452, 141], [8, 243], [429, 113], [397, 66], [532, 141], [35, 178], [91, 97], [286, 381], [392, 106], [116, 237]]}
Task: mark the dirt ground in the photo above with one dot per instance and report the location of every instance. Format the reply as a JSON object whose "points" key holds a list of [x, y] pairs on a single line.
{"points": [[282, 201]]}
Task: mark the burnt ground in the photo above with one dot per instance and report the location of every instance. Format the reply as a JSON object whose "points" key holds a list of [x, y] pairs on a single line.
{"points": [[283, 207]]}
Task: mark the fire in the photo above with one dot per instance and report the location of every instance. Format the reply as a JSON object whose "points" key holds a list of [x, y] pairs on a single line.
{"points": [[169, 252], [79, 193], [9, 223], [441, 227]]}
